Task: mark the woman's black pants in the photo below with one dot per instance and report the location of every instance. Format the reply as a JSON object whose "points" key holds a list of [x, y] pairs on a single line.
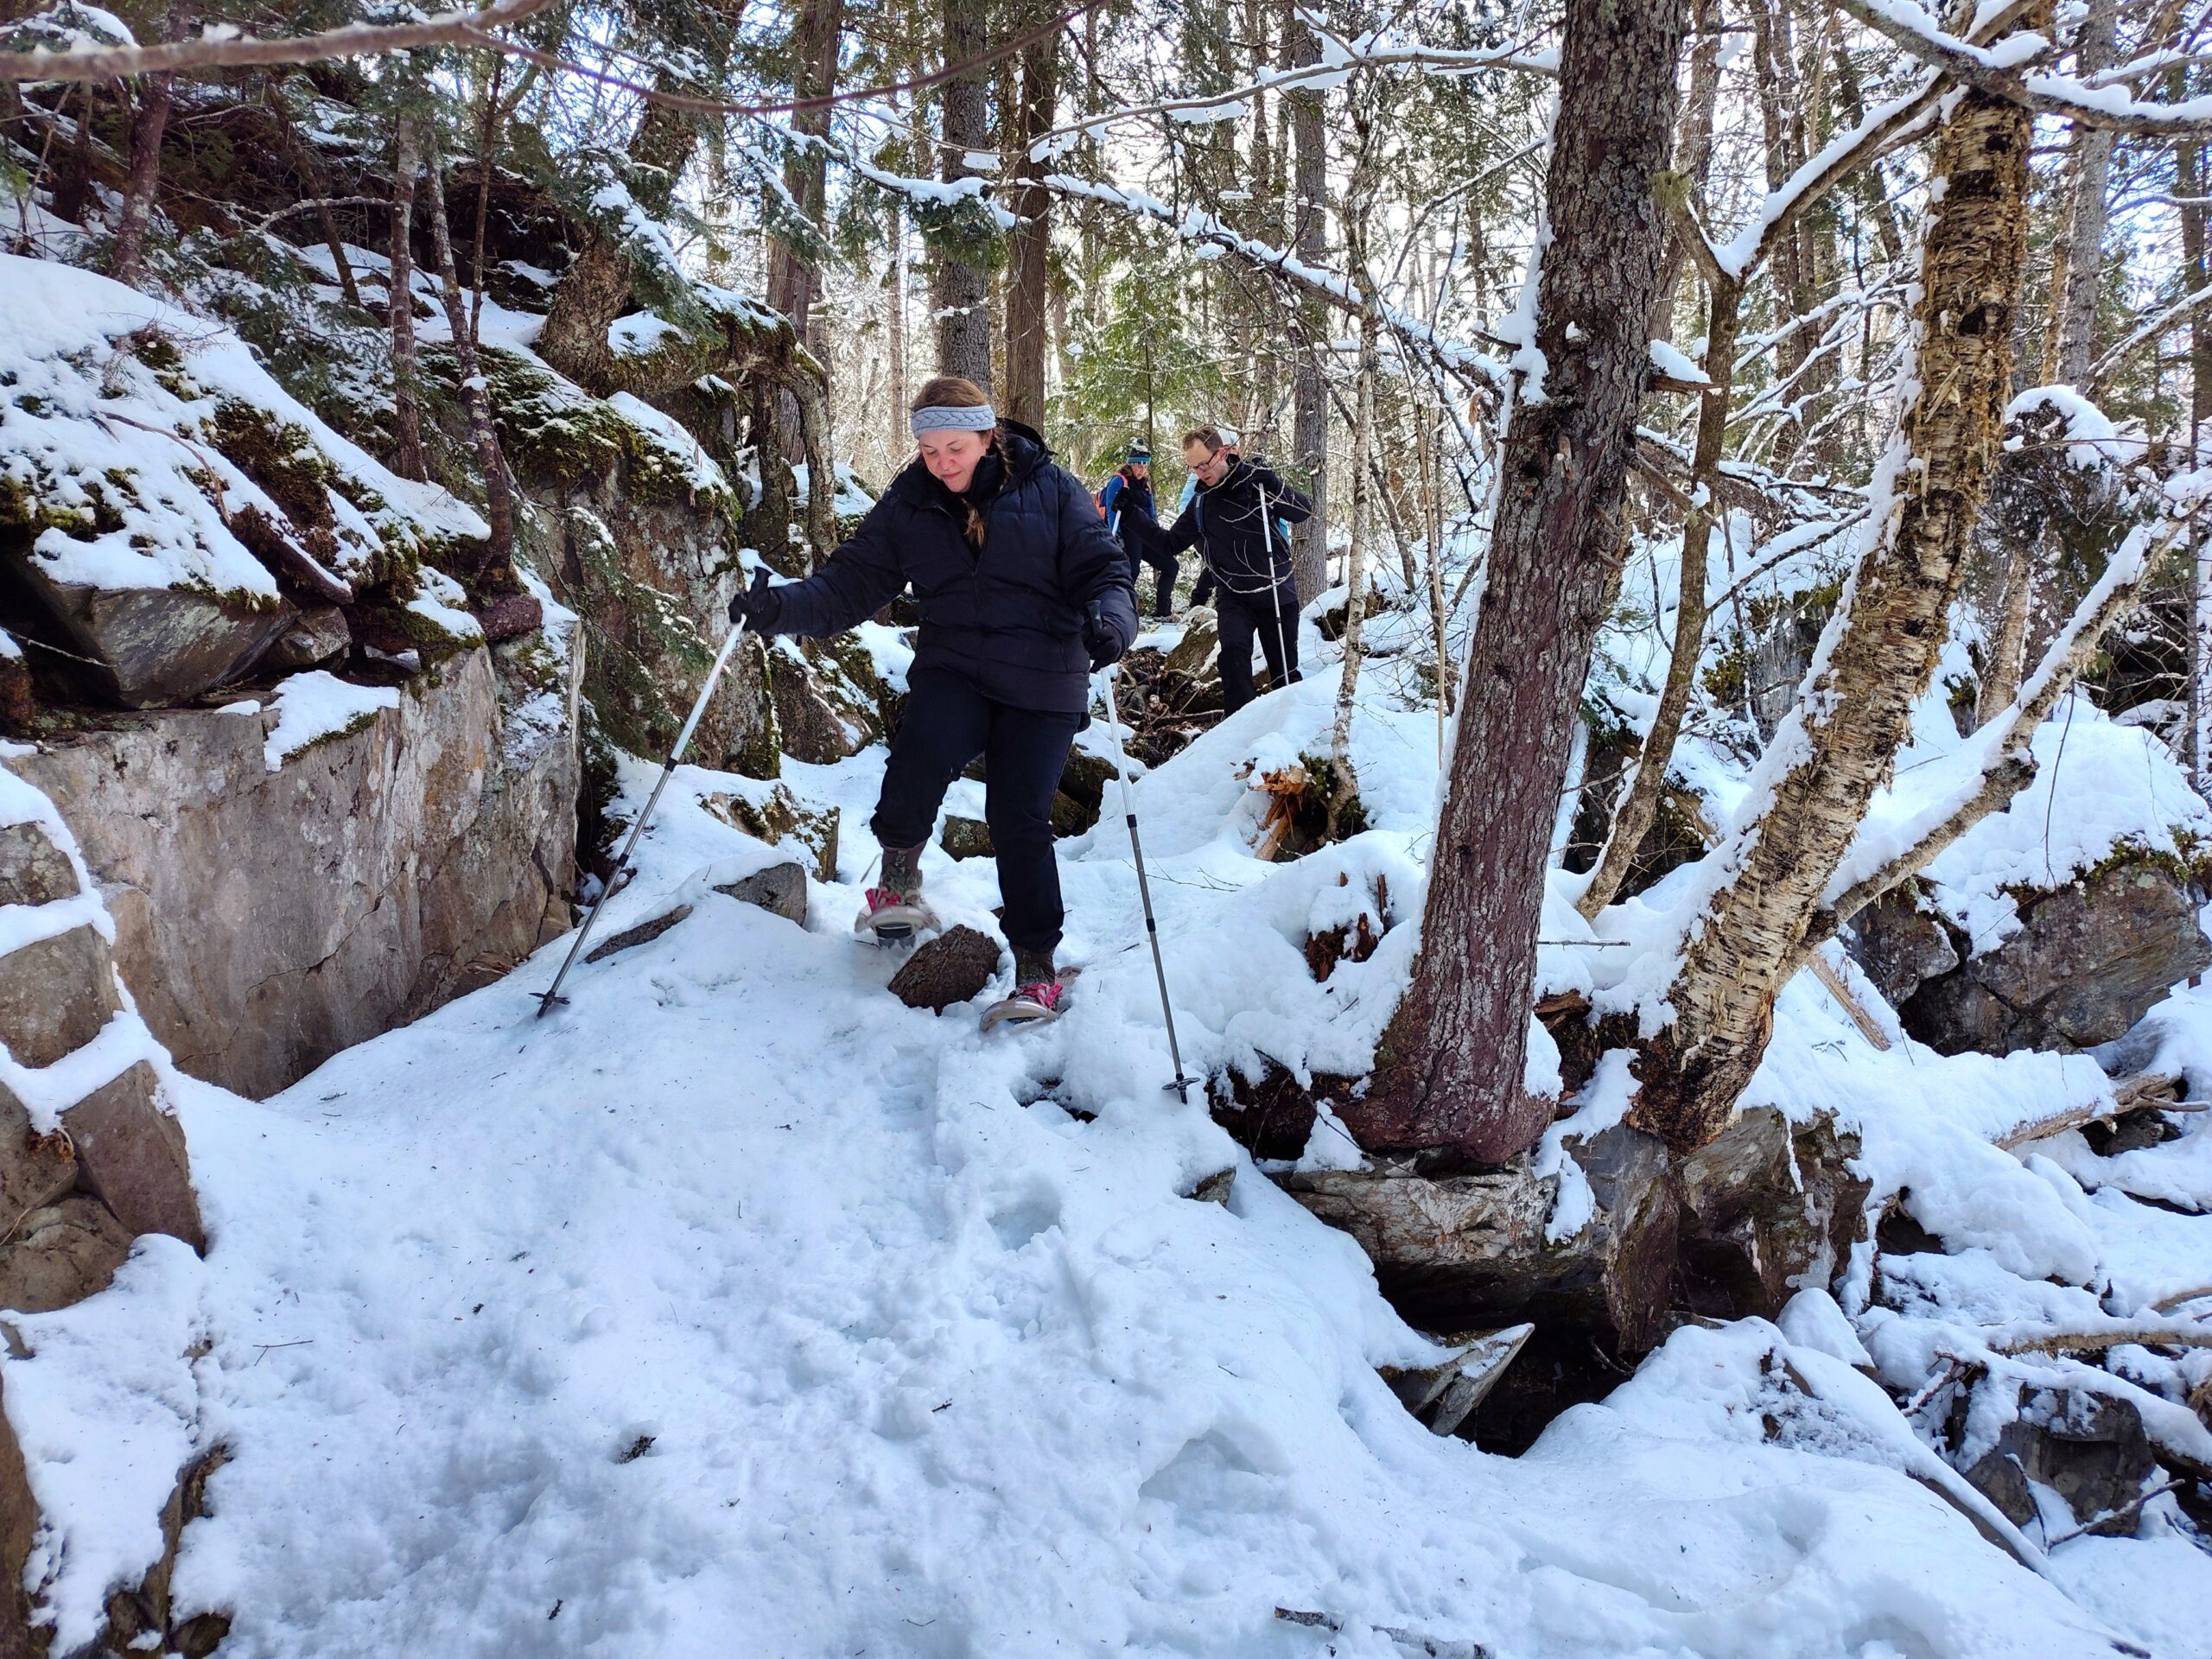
{"points": [[946, 724]]}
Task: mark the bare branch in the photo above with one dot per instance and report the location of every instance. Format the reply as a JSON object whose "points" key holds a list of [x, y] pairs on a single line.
{"points": [[2148, 332], [211, 52]]}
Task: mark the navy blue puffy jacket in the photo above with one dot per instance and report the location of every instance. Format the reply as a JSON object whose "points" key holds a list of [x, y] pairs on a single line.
{"points": [[1009, 615]]}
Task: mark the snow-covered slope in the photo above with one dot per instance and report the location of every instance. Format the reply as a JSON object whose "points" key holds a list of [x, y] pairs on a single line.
{"points": [[737, 1309]]}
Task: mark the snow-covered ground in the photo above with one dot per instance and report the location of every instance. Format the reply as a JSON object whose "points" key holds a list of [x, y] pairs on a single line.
{"points": [[736, 1308]]}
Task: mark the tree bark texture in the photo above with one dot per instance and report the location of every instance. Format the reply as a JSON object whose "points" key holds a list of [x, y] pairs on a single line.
{"points": [[596, 287], [496, 576], [399, 296], [1309, 215], [963, 286], [2197, 271], [145, 177], [1837, 747], [1029, 278], [1450, 1068], [1632, 819], [2085, 224], [793, 280], [1693, 158]]}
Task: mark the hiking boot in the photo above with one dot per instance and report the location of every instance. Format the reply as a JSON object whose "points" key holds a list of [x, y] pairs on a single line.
{"points": [[895, 911], [1038, 992]]}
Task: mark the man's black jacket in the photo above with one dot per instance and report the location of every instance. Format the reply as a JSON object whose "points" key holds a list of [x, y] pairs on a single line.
{"points": [[1233, 524]]}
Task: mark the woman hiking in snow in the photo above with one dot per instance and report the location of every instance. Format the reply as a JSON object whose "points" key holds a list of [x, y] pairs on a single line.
{"points": [[1023, 591]]}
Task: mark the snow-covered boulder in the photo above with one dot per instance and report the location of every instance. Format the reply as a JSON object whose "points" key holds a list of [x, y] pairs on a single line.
{"points": [[165, 506], [291, 878], [2057, 923]]}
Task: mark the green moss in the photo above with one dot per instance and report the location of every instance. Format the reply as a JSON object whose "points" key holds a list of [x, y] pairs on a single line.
{"points": [[556, 435]]}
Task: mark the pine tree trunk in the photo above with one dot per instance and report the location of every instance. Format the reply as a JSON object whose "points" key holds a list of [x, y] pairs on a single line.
{"points": [[73, 188], [962, 289], [1450, 1070], [896, 400], [793, 280], [596, 287], [1028, 279], [1309, 215], [1693, 158], [145, 175], [496, 576], [1836, 749], [406, 418], [2085, 225], [1633, 817]]}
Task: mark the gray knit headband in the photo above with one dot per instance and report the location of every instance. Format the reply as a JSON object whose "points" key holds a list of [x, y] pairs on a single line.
{"points": [[945, 417]]}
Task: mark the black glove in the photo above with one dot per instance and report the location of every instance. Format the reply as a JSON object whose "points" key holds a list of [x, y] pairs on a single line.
{"points": [[1100, 638], [758, 606]]}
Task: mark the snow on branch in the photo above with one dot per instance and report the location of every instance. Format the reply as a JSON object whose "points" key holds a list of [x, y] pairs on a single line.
{"points": [[2149, 331], [1335, 66], [2004, 764], [1894, 122], [216, 49], [1205, 229], [1999, 70]]}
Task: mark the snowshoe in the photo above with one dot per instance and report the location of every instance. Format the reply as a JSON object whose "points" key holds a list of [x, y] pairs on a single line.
{"points": [[1030, 1005], [894, 918]]}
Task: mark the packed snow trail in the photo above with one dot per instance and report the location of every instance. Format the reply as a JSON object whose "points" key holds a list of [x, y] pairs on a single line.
{"points": [[738, 1309]]}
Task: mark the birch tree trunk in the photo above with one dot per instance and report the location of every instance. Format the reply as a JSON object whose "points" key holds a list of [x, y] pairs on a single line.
{"points": [[1028, 278], [2076, 273], [898, 433], [1640, 805], [497, 573], [1309, 213], [1450, 1070], [963, 288], [399, 295], [1836, 749], [1346, 782]]}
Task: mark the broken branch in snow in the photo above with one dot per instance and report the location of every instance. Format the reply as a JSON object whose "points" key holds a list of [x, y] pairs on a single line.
{"points": [[2149, 1089]]}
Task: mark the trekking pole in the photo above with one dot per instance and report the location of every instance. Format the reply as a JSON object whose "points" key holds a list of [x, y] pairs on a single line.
{"points": [[1274, 582], [1182, 1085], [620, 877]]}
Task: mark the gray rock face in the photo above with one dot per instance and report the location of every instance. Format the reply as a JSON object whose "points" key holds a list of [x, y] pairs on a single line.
{"points": [[36, 1169], [954, 967], [318, 636], [131, 1156], [2089, 959], [643, 933], [1900, 945], [266, 920], [780, 889], [147, 645], [965, 837], [62, 1254], [33, 870], [55, 995], [2089, 1449]]}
